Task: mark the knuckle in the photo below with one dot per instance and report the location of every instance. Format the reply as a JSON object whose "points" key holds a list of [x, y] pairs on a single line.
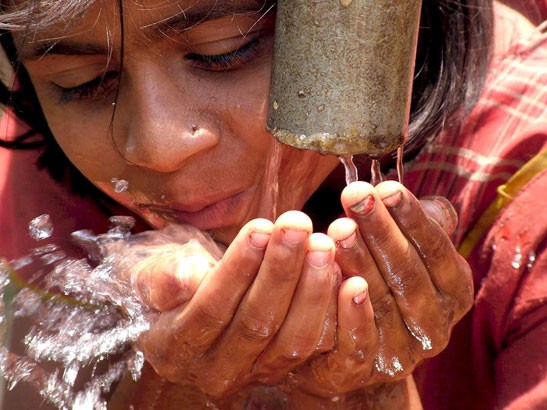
{"points": [[292, 357], [407, 275], [438, 247], [256, 330], [383, 307], [209, 314]]}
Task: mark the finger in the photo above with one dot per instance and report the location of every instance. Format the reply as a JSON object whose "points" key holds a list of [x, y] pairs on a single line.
{"points": [[181, 334], [447, 269], [171, 275], [355, 259], [356, 334], [350, 365], [297, 338], [267, 301], [401, 266], [327, 340]]}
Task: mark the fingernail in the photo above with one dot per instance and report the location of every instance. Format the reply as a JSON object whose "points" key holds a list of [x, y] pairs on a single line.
{"points": [[451, 217], [349, 242], [365, 206], [360, 298], [441, 210], [292, 237], [259, 239], [393, 199], [319, 259]]}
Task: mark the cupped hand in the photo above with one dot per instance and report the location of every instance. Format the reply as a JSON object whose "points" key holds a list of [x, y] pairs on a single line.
{"points": [[406, 287], [259, 312]]}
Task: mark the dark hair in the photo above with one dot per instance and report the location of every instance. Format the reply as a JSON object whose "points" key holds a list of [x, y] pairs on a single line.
{"points": [[453, 53]]}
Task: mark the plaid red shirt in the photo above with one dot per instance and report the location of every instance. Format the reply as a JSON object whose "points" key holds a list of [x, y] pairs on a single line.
{"points": [[497, 357]]}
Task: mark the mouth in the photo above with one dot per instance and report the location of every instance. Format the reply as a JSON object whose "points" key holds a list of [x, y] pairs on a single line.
{"points": [[218, 213]]}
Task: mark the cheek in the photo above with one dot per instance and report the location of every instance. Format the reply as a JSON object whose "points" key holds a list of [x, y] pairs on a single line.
{"points": [[85, 139], [294, 174]]}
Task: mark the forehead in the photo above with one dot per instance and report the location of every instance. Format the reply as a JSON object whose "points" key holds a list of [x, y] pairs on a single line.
{"points": [[46, 21], [45, 16]]}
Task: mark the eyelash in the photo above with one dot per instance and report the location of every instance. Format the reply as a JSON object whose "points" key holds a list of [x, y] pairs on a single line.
{"points": [[98, 88], [227, 61], [102, 86]]}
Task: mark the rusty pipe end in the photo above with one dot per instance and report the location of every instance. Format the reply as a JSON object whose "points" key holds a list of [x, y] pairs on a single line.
{"points": [[342, 74]]}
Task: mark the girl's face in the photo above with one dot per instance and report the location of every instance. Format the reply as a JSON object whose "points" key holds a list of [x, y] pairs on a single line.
{"points": [[177, 109]]}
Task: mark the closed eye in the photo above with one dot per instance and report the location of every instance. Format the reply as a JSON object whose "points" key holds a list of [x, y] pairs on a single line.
{"points": [[100, 87], [226, 61]]}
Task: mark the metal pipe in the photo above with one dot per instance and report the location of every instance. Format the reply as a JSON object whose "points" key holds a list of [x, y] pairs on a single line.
{"points": [[342, 74]]}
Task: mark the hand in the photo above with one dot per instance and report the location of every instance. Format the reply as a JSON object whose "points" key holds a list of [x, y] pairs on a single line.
{"points": [[258, 313], [407, 286]]}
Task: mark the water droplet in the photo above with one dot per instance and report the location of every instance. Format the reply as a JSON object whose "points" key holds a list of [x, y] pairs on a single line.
{"points": [[123, 222], [419, 334], [321, 108], [135, 365], [120, 185], [301, 94], [302, 137], [40, 227], [531, 260], [275, 105], [517, 259]]}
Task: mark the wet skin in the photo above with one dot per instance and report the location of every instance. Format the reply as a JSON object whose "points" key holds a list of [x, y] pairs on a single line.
{"points": [[376, 295]]}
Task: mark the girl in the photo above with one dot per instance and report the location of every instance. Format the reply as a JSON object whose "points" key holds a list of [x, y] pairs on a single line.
{"points": [[170, 97]]}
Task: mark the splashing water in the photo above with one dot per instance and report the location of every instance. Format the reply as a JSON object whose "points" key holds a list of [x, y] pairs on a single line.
{"points": [[84, 313], [40, 228]]}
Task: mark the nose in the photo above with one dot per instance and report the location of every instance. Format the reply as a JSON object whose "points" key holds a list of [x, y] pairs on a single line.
{"points": [[164, 122]]}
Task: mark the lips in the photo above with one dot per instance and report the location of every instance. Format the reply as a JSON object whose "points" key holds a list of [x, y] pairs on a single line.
{"points": [[205, 216]]}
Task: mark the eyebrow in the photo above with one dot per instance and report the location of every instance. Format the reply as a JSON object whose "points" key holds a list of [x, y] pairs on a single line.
{"points": [[186, 19]]}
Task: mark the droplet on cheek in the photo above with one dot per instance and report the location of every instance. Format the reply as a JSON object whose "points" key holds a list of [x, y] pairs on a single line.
{"points": [[120, 185]]}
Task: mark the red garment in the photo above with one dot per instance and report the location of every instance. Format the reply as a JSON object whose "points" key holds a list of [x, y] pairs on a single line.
{"points": [[534, 10], [497, 357]]}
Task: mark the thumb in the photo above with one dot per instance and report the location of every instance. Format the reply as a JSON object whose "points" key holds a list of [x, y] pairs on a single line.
{"points": [[441, 211]]}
